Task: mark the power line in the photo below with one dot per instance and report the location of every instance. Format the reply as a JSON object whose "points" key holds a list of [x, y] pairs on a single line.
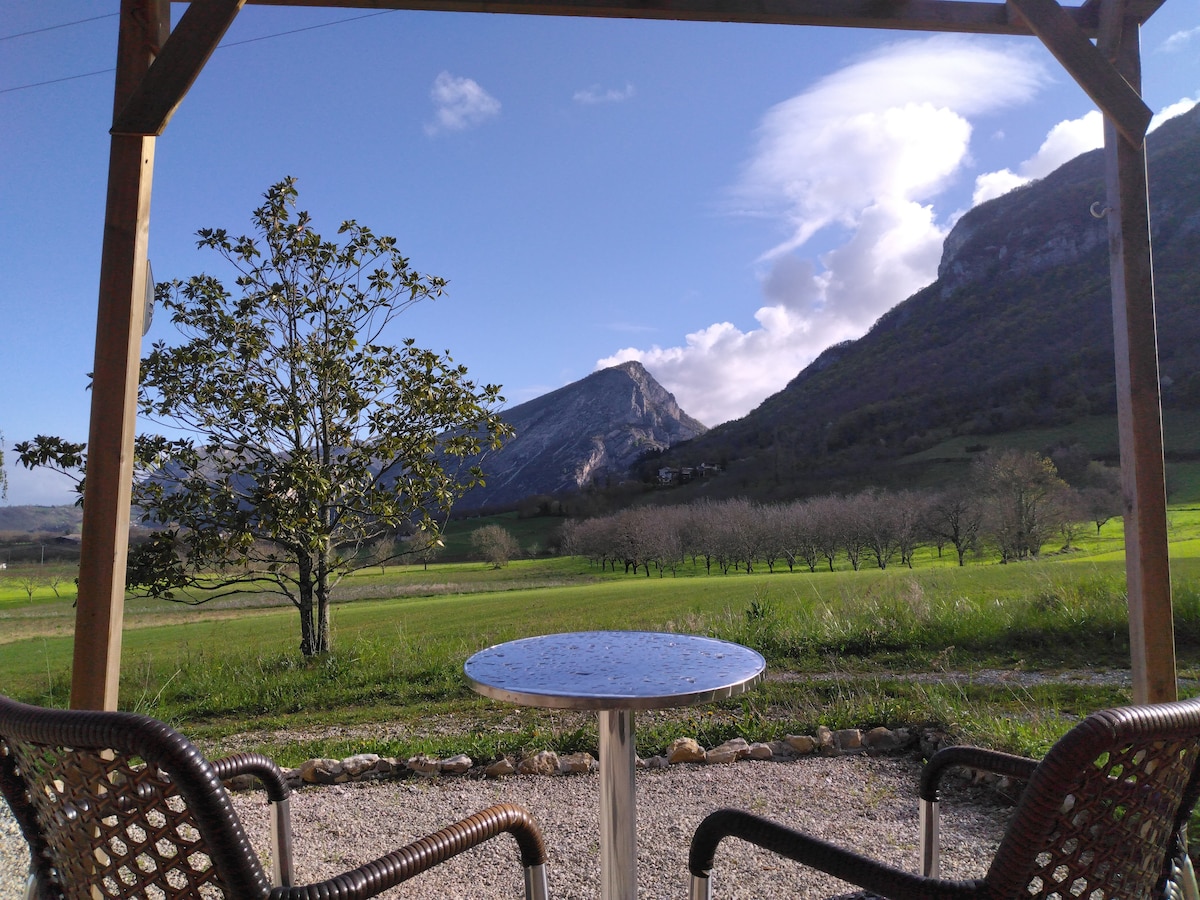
{"points": [[22, 87], [265, 37], [9, 37]]}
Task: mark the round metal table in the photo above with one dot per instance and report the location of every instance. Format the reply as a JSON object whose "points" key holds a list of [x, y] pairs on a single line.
{"points": [[615, 673]]}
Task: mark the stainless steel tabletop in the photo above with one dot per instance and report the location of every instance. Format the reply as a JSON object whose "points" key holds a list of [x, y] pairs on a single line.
{"points": [[614, 670]]}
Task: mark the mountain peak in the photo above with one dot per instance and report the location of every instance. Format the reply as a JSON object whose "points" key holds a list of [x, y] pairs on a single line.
{"points": [[596, 427]]}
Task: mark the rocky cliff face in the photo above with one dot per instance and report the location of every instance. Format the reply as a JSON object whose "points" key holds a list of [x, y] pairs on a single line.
{"points": [[596, 427], [1015, 333], [1049, 224]]}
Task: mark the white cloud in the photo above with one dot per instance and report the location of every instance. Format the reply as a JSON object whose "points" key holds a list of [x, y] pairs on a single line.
{"points": [[1179, 40], [864, 150], [459, 104], [596, 94], [1178, 108], [1065, 141]]}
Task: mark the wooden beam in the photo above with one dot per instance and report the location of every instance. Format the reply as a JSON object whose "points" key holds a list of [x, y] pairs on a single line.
{"points": [[960, 16], [1117, 99], [1136, 10], [1139, 412], [160, 91], [99, 613]]}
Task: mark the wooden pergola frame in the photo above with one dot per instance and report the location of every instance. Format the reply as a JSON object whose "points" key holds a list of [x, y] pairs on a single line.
{"points": [[1097, 43]]}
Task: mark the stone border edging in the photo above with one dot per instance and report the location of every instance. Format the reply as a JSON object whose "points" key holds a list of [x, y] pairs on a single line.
{"points": [[826, 742]]}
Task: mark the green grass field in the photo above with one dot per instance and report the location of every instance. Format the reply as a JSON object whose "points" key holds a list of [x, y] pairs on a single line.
{"points": [[851, 649]]}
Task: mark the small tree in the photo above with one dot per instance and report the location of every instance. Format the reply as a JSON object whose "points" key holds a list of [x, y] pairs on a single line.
{"points": [[307, 436], [426, 545], [495, 544], [29, 584]]}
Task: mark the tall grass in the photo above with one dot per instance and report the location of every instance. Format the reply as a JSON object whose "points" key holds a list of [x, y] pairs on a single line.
{"points": [[847, 649]]}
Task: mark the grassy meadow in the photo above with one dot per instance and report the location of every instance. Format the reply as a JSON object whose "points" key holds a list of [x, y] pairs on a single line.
{"points": [[963, 649]]}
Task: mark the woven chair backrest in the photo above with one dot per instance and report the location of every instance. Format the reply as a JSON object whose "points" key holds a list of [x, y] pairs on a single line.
{"points": [[1101, 814], [116, 805]]}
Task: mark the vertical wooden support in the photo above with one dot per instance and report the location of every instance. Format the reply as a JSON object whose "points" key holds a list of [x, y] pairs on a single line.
{"points": [[95, 674], [1139, 413]]}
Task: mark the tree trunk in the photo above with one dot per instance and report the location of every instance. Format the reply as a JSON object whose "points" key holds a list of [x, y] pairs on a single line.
{"points": [[324, 642], [308, 637]]}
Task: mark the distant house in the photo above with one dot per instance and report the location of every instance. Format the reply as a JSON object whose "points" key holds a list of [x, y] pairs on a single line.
{"points": [[683, 475]]}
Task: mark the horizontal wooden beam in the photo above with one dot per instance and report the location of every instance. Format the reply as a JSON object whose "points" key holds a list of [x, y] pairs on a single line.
{"points": [[1118, 100], [965, 16], [1136, 10], [175, 69]]}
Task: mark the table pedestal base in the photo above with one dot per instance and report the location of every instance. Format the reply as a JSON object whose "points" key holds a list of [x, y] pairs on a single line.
{"points": [[618, 806]]}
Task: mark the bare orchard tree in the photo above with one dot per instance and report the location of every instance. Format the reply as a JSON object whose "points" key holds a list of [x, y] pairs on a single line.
{"points": [[873, 514], [1024, 500], [495, 544], [1101, 494], [803, 535], [910, 523], [956, 515], [828, 513]]}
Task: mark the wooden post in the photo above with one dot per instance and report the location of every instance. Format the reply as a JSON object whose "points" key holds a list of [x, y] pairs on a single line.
{"points": [[95, 674], [1139, 412]]}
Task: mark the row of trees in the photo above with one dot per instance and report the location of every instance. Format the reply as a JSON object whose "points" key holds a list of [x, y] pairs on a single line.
{"points": [[1014, 503]]}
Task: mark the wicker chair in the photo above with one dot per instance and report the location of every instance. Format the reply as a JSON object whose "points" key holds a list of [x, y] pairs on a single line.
{"points": [[117, 805], [1104, 815]]}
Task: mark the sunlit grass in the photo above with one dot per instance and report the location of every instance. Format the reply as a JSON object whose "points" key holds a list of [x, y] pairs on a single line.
{"points": [[844, 649]]}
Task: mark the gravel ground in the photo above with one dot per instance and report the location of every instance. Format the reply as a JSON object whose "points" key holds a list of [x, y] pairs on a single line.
{"points": [[866, 804]]}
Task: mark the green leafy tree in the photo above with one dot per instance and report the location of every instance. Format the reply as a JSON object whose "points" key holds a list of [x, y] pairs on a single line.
{"points": [[306, 435]]}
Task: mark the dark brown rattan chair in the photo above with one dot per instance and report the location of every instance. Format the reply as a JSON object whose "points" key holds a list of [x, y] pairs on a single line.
{"points": [[1104, 815], [118, 805]]}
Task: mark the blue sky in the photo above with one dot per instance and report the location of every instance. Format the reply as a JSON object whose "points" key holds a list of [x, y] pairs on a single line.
{"points": [[721, 202]]}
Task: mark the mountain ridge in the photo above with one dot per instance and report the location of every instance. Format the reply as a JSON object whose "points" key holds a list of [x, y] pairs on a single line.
{"points": [[588, 431], [1015, 332]]}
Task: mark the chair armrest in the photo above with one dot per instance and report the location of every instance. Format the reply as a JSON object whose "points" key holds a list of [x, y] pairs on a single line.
{"points": [[387, 871], [876, 877], [974, 758], [278, 794], [261, 767]]}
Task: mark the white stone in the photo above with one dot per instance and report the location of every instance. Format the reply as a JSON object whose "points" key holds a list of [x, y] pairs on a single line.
{"points": [[801, 743], [502, 766], [576, 763], [424, 765], [321, 771], [357, 765], [846, 739], [456, 765], [720, 755], [544, 762]]}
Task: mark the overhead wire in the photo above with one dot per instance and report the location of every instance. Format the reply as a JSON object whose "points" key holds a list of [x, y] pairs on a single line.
{"points": [[9, 37], [264, 37]]}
